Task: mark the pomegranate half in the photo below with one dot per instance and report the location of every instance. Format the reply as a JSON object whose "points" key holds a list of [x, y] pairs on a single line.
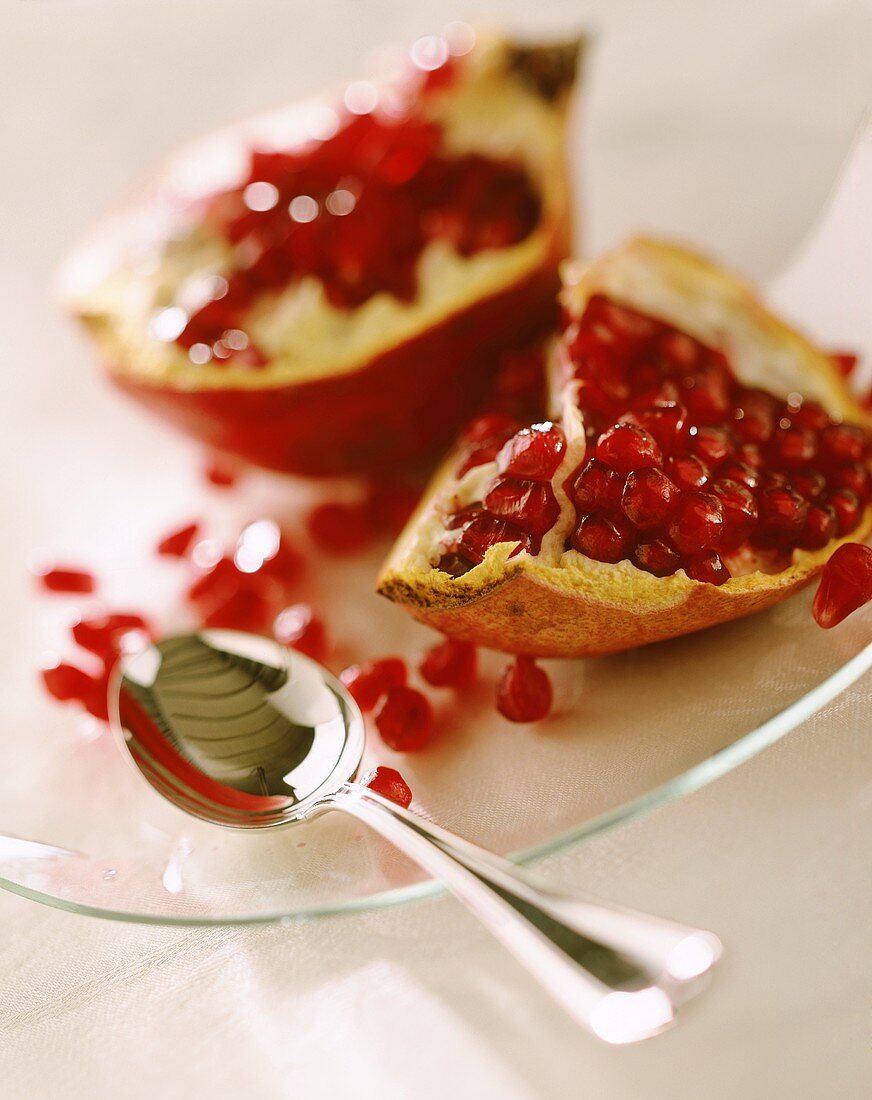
{"points": [[703, 462], [326, 288]]}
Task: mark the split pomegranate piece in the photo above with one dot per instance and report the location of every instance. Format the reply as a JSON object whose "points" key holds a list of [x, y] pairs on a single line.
{"points": [[845, 585], [682, 493], [340, 298], [524, 691], [389, 784], [405, 720]]}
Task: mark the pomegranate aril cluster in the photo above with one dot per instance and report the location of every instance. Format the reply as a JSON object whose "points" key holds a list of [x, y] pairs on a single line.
{"points": [[686, 466], [518, 504], [354, 211]]}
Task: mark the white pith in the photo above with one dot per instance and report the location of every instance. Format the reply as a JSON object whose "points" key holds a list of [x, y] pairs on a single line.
{"points": [[143, 258]]}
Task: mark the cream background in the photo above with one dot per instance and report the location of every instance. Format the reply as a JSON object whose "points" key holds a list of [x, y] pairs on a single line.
{"points": [[724, 123]]}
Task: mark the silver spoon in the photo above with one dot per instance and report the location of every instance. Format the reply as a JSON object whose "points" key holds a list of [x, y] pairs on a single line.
{"points": [[237, 730]]}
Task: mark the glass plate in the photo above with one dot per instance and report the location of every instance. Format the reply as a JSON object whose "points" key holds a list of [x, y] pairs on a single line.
{"points": [[631, 733]]}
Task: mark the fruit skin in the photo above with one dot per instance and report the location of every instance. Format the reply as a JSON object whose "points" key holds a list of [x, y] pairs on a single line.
{"points": [[402, 403], [583, 610]]}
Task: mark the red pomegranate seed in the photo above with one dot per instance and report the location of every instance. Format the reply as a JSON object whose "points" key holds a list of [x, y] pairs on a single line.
{"points": [[389, 784], [391, 503], [604, 538], [841, 443], [524, 691], [847, 508], [732, 470], [809, 483], [178, 542], [666, 421], [821, 526], [405, 720], [96, 699], [845, 361], [533, 452], [103, 636], [597, 487], [793, 447], [530, 504], [810, 416], [484, 531], [625, 322], [846, 584], [656, 557], [856, 477], [756, 417], [61, 578], [66, 682], [452, 663], [300, 628], [219, 475], [627, 447], [707, 394], [751, 455], [648, 498], [687, 471], [698, 523], [245, 609], [712, 444], [369, 681], [740, 513], [707, 568], [340, 528], [783, 513], [680, 350]]}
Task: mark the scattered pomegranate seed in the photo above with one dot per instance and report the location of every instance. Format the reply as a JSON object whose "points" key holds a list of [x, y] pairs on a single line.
{"points": [[61, 578], [66, 682], [369, 681], [104, 635], [627, 447], [246, 609], [340, 528], [300, 628], [451, 663], [533, 453], [389, 784], [178, 542], [405, 720], [846, 584], [524, 691], [222, 477]]}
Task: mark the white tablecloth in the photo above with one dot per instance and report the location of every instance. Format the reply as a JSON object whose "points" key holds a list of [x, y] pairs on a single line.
{"points": [[724, 123]]}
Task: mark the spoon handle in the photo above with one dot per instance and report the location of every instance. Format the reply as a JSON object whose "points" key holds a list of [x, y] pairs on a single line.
{"points": [[598, 961]]}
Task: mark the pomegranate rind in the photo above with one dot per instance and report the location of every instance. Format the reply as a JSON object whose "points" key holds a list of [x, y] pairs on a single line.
{"points": [[345, 392], [568, 605]]}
